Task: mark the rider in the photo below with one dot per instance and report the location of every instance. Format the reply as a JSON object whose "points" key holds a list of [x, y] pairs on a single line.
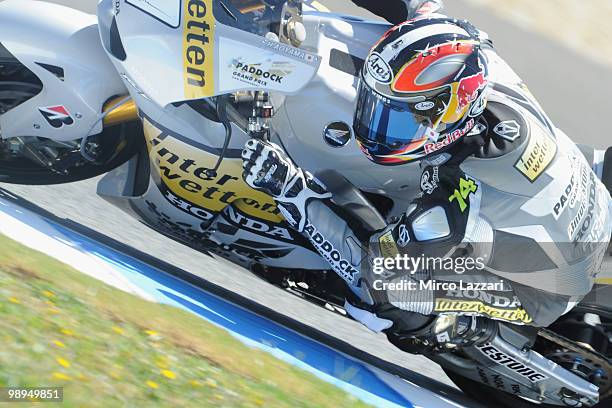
{"points": [[499, 185]]}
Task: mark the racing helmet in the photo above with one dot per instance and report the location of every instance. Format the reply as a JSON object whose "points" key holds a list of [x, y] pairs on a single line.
{"points": [[422, 88]]}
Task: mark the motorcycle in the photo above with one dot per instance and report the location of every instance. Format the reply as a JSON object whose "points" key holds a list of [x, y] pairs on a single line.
{"points": [[160, 96]]}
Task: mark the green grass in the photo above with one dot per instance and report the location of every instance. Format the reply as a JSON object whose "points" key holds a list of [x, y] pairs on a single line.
{"points": [[108, 348]]}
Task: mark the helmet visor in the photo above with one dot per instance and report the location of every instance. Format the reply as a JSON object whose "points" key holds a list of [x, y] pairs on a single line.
{"points": [[385, 125]]}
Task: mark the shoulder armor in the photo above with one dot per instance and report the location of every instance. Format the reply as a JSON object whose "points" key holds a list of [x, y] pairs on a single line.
{"points": [[506, 129], [430, 225]]}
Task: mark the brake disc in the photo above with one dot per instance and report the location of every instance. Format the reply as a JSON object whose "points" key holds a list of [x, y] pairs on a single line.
{"points": [[594, 359]]}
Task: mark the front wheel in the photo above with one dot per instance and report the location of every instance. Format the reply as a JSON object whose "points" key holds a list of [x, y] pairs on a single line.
{"points": [[39, 161], [42, 162]]}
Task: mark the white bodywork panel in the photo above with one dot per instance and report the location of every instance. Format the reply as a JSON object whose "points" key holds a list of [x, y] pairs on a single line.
{"points": [[39, 32], [199, 57]]}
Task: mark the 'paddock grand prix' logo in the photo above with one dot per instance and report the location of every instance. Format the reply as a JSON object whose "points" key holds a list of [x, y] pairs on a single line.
{"points": [[57, 116]]}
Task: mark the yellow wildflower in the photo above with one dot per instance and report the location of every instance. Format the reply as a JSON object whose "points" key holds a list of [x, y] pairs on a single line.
{"points": [[117, 329], [63, 362], [219, 397], [259, 402], [61, 376], [152, 384], [211, 383], [151, 332], [168, 374], [59, 343], [48, 293], [14, 300], [195, 383], [67, 332]]}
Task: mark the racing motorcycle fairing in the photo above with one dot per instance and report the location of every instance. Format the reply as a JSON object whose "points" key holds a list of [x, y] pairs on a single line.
{"points": [[175, 51], [61, 46]]}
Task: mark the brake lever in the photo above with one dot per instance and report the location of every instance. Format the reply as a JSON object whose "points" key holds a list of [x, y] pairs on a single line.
{"points": [[222, 102]]}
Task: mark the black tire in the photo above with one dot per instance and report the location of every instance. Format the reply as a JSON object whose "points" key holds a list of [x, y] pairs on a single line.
{"points": [[23, 171]]}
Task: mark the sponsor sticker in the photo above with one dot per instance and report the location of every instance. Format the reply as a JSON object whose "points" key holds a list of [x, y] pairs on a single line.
{"points": [[450, 138], [429, 180], [403, 237], [57, 116], [261, 73], [198, 48], [337, 134], [290, 51], [182, 169], [388, 248], [508, 129], [423, 106], [342, 266], [478, 106], [538, 155], [561, 203], [588, 224], [478, 129], [379, 69], [501, 358], [477, 307], [494, 304], [468, 89], [257, 226]]}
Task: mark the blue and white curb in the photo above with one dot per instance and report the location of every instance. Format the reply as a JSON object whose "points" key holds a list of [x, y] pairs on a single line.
{"points": [[360, 379]]}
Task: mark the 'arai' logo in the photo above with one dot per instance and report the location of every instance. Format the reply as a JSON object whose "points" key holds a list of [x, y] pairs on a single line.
{"points": [[379, 69]]}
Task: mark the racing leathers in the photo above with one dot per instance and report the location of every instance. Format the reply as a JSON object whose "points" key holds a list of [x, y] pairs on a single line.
{"points": [[512, 224]]}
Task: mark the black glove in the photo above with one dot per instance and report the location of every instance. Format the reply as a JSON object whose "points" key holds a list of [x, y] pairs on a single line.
{"points": [[267, 168]]}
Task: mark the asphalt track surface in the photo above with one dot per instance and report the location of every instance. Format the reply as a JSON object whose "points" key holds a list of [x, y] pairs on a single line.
{"points": [[563, 81]]}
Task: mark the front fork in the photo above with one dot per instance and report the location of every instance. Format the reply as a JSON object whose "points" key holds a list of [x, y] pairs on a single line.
{"points": [[116, 113]]}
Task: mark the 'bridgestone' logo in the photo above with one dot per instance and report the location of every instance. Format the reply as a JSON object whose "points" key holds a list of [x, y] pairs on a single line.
{"points": [[198, 48]]}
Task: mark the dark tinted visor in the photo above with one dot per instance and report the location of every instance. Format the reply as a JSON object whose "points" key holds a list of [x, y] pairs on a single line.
{"points": [[390, 123]]}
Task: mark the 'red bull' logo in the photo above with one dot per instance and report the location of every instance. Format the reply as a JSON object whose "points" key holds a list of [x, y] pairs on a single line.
{"points": [[468, 89]]}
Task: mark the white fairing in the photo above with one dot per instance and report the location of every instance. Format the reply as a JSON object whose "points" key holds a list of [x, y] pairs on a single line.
{"points": [[44, 33], [176, 51]]}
